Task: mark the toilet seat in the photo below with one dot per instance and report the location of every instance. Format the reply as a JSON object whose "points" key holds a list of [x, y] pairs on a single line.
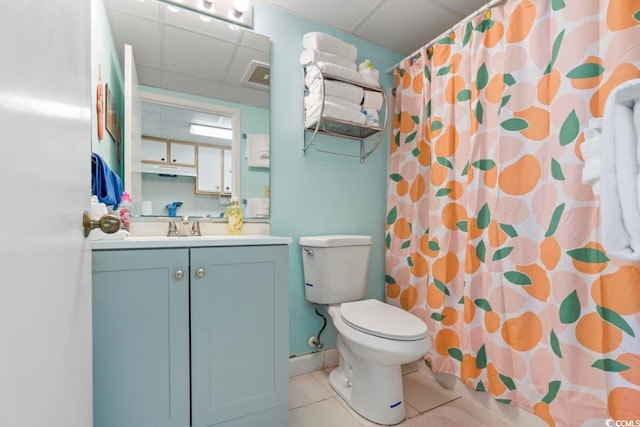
{"points": [[382, 320]]}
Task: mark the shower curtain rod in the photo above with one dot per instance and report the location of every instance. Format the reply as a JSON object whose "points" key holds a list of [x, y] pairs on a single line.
{"points": [[490, 5]]}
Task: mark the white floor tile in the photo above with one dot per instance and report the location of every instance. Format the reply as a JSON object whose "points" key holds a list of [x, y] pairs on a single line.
{"points": [[424, 393], [322, 376], [327, 413], [305, 389], [482, 415], [408, 368]]}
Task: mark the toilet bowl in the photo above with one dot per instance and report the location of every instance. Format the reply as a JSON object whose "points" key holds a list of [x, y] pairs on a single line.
{"points": [[374, 338], [369, 376]]}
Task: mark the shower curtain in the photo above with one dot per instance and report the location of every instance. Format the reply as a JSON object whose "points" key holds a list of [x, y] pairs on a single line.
{"points": [[491, 237]]}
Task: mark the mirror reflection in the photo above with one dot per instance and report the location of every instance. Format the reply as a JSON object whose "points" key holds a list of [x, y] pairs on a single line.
{"points": [[195, 75]]}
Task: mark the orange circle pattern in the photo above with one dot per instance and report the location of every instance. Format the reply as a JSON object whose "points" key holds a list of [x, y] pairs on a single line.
{"points": [[495, 238]]}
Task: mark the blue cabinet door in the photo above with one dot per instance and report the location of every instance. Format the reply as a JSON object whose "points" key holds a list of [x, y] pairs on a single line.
{"points": [[141, 338], [239, 334]]}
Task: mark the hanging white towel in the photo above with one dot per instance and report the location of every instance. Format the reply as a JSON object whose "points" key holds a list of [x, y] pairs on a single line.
{"points": [[311, 55], [372, 100], [327, 43], [257, 153], [338, 89], [620, 168]]}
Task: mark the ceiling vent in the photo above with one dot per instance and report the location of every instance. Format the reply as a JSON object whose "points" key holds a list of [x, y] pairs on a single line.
{"points": [[257, 75]]}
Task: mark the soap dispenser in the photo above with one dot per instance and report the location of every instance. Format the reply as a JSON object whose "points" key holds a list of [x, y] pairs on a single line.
{"points": [[233, 213]]}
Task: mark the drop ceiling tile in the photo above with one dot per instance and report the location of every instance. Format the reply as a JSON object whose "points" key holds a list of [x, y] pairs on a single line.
{"points": [[405, 26], [464, 7], [142, 34], [149, 76], [336, 13], [197, 55], [255, 41], [145, 9], [189, 84]]}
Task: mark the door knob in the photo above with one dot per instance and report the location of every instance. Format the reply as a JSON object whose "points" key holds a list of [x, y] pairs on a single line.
{"points": [[107, 223], [200, 272]]}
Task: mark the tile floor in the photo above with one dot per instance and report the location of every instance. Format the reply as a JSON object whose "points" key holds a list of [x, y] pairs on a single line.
{"points": [[313, 403]]}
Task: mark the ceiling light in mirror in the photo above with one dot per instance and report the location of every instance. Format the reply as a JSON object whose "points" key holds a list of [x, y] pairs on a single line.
{"points": [[210, 131], [237, 12]]}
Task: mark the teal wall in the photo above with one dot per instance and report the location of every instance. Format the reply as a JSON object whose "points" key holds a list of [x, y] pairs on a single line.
{"points": [[104, 56], [318, 193]]}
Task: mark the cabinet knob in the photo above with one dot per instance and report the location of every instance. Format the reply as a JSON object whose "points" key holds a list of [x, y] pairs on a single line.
{"points": [[174, 160], [162, 159], [179, 274], [200, 272]]}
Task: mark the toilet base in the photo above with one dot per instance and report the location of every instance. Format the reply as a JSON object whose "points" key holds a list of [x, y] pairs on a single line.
{"points": [[373, 391]]}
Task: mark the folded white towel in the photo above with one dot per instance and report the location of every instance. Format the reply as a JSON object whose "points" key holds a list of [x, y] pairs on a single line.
{"points": [[619, 196], [338, 89], [334, 111], [327, 43], [372, 100], [316, 98], [330, 70], [591, 170], [311, 55]]}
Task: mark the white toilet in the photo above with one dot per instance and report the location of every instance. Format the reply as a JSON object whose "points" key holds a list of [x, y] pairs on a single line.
{"points": [[374, 338]]}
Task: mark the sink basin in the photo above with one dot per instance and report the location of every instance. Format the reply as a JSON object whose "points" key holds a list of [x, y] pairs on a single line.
{"points": [[196, 238]]}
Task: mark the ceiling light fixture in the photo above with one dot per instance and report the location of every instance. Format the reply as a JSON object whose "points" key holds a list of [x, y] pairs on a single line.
{"points": [[210, 131], [236, 12]]}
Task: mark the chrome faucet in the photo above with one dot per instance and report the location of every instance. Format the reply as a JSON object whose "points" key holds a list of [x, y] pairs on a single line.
{"points": [[173, 229], [195, 228], [185, 230]]}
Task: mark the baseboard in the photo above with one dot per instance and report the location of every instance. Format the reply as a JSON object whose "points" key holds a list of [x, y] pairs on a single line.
{"points": [[305, 363], [510, 413]]}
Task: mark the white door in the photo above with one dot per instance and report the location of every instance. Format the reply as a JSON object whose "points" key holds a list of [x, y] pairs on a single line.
{"points": [[209, 179], [45, 281], [132, 130]]}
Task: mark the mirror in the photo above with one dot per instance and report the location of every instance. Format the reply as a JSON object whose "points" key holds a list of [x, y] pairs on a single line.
{"points": [[195, 69]]}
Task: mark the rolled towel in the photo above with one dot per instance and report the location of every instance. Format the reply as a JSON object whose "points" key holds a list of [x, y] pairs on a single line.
{"points": [[327, 43], [334, 111], [335, 70], [316, 98], [311, 55], [372, 100], [338, 89]]}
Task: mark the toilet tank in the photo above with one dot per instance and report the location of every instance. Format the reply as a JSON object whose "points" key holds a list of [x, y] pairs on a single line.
{"points": [[335, 267]]}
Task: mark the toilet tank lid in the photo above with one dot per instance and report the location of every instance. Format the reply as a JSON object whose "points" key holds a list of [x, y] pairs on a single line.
{"points": [[335, 240]]}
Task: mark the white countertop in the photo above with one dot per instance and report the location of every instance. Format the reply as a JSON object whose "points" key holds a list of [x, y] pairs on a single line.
{"points": [[158, 242]]}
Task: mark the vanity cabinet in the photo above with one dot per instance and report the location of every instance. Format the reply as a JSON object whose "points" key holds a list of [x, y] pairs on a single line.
{"points": [[141, 338], [214, 170], [191, 336]]}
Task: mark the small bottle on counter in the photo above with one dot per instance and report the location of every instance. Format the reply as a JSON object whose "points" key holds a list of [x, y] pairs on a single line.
{"points": [[125, 210], [233, 213]]}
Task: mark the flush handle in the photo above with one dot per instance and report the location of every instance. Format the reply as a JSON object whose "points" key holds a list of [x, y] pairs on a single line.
{"points": [[107, 223], [308, 251], [200, 273]]}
